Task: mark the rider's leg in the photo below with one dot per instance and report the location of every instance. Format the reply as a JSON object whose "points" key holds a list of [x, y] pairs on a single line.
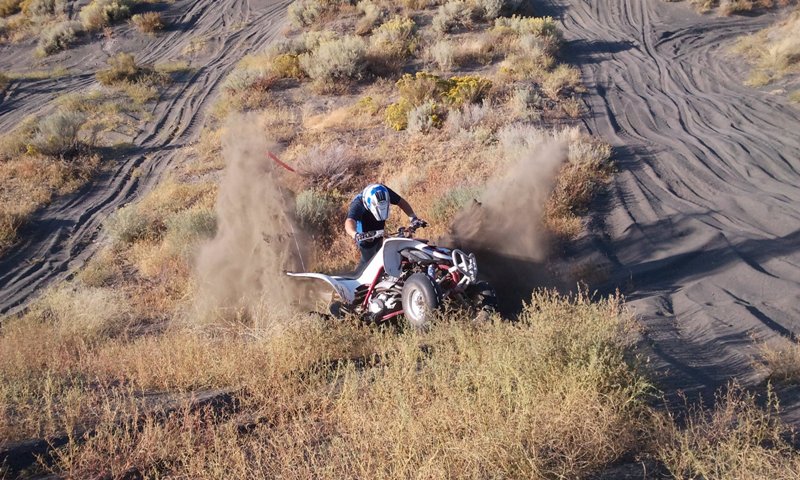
{"points": [[366, 255]]}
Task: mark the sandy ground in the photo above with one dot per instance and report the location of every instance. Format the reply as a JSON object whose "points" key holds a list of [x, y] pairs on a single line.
{"points": [[702, 228], [58, 239]]}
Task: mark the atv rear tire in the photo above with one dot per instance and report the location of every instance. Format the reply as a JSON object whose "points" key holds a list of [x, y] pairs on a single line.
{"points": [[483, 300], [419, 301]]}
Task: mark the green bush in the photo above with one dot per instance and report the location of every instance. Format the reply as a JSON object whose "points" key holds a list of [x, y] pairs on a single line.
{"points": [[188, 227], [315, 208], [59, 37], [395, 37], [333, 60], [101, 13], [58, 133], [4, 81], [127, 225]]}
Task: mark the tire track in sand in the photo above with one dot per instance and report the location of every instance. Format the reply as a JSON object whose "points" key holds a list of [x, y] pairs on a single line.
{"points": [[702, 226], [60, 237]]}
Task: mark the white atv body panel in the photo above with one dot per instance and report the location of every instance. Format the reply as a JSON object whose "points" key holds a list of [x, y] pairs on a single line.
{"points": [[387, 257]]}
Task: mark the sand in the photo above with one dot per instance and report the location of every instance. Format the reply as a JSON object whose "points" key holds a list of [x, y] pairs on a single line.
{"points": [[701, 230], [61, 237]]}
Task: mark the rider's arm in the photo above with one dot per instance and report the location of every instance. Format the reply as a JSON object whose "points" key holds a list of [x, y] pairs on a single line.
{"points": [[350, 227], [406, 208], [401, 202]]}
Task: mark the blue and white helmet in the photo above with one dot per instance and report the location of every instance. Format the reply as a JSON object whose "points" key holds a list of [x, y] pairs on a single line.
{"points": [[376, 200]]}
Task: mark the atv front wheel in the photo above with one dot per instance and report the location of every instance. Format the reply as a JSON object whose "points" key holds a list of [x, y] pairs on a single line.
{"points": [[419, 300]]}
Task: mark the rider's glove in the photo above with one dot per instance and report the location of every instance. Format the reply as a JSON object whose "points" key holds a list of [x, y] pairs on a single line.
{"points": [[359, 238], [418, 223]]}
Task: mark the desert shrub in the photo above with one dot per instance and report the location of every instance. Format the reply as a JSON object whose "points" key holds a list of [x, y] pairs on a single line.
{"points": [[443, 53], [58, 133], [59, 37], [783, 364], [4, 81], [524, 103], [333, 60], [187, 227], [122, 67], [467, 89], [736, 439], [561, 79], [101, 13], [491, 9], [127, 225], [287, 65], [466, 118], [774, 52], [444, 208], [795, 96], [372, 14], [395, 36], [328, 166], [425, 117], [88, 313], [315, 208], [543, 27], [9, 7], [149, 22], [43, 8], [241, 79], [422, 86], [397, 114], [303, 43], [304, 13], [452, 15]]}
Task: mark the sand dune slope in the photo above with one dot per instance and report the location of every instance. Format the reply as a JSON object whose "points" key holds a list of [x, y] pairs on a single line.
{"points": [[60, 236], [702, 228]]}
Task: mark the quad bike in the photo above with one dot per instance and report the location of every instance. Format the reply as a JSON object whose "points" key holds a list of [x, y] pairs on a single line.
{"points": [[409, 277]]}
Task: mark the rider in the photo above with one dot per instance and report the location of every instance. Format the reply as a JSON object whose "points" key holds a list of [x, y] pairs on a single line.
{"points": [[368, 212]]}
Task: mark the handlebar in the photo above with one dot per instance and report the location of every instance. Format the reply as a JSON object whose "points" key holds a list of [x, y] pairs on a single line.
{"points": [[402, 232]]}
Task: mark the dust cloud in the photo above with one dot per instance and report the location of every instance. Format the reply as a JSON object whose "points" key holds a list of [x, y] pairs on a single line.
{"points": [[505, 228], [241, 270]]}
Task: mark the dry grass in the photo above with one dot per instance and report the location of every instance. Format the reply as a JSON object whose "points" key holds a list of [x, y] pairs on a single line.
{"points": [[774, 52], [737, 439], [56, 154], [149, 22], [102, 13], [783, 363], [548, 403]]}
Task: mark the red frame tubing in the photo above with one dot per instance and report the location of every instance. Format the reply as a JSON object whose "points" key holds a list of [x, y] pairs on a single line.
{"points": [[391, 315], [279, 162], [372, 287]]}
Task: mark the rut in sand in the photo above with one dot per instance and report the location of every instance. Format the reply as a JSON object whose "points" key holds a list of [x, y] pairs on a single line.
{"points": [[702, 227], [60, 237]]}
